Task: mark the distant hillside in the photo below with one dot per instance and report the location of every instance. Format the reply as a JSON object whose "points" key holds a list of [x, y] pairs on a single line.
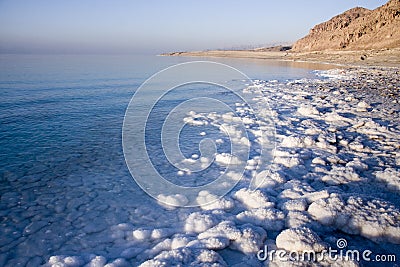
{"points": [[356, 29]]}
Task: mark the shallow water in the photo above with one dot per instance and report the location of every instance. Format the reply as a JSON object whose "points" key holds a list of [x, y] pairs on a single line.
{"points": [[53, 107]]}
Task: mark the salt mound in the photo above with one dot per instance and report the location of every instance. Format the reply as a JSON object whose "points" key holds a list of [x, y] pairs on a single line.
{"points": [[70, 261], [142, 234], [250, 240], [391, 177], [225, 229], [214, 243], [307, 110], [253, 199], [246, 238], [186, 257], [268, 179], [372, 218], [294, 205], [292, 141], [341, 175], [208, 201], [227, 159], [300, 239], [198, 222], [289, 162], [269, 219], [91, 261], [172, 200], [362, 106]]}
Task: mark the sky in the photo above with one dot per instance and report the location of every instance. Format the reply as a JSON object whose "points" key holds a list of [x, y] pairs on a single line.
{"points": [[156, 26]]}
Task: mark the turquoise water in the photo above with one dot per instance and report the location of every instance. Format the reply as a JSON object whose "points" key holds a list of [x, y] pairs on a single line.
{"points": [[53, 107]]}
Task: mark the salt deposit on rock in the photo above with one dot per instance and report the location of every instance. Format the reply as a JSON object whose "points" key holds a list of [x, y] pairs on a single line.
{"points": [[289, 162], [197, 222], [292, 141], [253, 199], [250, 239], [373, 218], [341, 175], [226, 229], [318, 160], [208, 201], [294, 205], [267, 218], [227, 159], [142, 234], [173, 200], [268, 179], [300, 239], [186, 257], [391, 177], [307, 111]]}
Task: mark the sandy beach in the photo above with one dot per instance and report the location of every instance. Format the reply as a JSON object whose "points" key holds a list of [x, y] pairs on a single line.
{"points": [[382, 57]]}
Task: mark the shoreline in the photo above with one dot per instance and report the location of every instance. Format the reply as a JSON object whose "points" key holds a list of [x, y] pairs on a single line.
{"points": [[363, 58]]}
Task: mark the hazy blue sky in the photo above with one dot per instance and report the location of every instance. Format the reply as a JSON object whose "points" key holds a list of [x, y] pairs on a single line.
{"points": [[154, 26]]}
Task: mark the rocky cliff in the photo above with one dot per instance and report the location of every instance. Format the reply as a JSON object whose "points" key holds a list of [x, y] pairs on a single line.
{"points": [[356, 29]]}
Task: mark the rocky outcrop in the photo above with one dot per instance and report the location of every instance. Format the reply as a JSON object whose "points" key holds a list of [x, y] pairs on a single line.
{"points": [[356, 29]]}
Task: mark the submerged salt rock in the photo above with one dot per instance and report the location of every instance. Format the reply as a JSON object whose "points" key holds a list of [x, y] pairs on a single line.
{"points": [[300, 239], [131, 252]]}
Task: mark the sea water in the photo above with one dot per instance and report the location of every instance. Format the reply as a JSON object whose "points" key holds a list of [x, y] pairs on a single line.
{"points": [[64, 184]]}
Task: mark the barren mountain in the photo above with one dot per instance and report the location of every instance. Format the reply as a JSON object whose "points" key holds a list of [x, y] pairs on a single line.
{"points": [[356, 29]]}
